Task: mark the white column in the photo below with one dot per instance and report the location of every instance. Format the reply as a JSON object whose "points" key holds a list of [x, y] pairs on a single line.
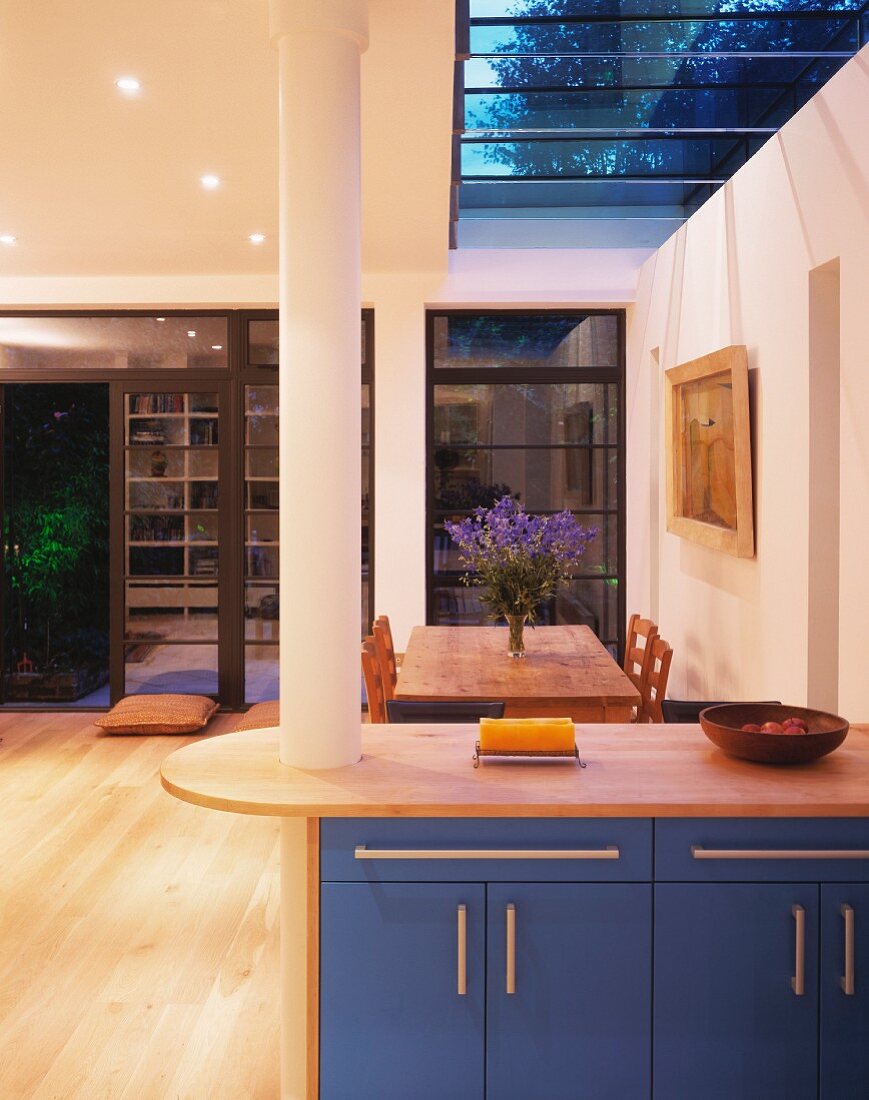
{"points": [[320, 44]]}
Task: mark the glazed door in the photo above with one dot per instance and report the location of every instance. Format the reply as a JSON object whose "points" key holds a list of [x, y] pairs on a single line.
{"points": [[54, 515]]}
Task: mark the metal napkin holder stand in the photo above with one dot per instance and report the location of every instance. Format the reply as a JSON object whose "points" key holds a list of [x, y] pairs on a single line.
{"points": [[539, 754]]}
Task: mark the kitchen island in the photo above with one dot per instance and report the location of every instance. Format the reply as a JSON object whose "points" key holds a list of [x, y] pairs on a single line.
{"points": [[667, 922]]}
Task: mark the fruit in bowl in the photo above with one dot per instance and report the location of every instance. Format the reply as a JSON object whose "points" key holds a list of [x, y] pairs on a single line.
{"points": [[771, 733]]}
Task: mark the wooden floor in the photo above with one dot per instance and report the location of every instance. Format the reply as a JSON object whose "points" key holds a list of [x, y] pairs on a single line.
{"points": [[138, 934]]}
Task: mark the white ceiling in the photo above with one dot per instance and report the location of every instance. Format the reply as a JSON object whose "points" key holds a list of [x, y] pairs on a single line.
{"points": [[95, 183], [92, 182]]}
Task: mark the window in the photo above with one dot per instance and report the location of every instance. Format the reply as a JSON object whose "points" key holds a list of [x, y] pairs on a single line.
{"points": [[528, 404]]}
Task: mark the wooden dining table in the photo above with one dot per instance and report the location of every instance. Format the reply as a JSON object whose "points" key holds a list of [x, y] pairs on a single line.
{"points": [[566, 672]]}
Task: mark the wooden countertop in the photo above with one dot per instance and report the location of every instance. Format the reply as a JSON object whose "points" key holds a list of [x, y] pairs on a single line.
{"points": [[426, 771]]}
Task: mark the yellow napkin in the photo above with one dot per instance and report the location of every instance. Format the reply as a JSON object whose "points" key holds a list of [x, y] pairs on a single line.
{"points": [[541, 734]]}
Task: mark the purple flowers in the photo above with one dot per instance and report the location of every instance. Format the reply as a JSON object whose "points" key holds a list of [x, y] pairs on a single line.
{"points": [[519, 558]]}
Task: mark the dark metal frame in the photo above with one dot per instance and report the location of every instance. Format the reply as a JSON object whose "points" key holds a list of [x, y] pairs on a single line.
{"points": [[510, 375], [228, 382]]}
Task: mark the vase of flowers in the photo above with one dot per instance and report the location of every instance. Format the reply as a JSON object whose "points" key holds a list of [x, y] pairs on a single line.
{"points": [[518, 559]]}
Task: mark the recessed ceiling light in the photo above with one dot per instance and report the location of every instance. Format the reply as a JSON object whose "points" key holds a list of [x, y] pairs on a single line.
{"points": [[128, 84], [161, 318], [191, 332], [210, 182], [7, 238], [257, 238], [217, 347]]}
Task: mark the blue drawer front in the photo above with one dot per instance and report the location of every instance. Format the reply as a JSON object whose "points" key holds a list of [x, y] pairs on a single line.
{"points": [[717, 842], [339, 838]]}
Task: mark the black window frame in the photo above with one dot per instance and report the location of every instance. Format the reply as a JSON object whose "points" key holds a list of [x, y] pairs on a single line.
{"points": [[614, 375]]}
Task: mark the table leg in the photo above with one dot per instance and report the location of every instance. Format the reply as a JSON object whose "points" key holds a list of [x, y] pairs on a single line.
{"points": [[300, 920]]}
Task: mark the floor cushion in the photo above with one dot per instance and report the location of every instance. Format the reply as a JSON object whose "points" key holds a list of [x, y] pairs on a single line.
{"points": [[158, 714], [261, 716]]}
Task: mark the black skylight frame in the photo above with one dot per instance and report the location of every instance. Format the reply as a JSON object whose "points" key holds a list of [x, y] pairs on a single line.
{"points": [[567, 123]]}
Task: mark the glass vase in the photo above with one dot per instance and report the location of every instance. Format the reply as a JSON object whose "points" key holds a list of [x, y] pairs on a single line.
{"points": [[516, 629]]}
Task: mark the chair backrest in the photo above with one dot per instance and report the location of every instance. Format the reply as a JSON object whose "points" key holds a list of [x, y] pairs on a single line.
{"points": [[638, 651], [373, 682], [407, 710], [385, 655], [688, 710], [655, 687]]}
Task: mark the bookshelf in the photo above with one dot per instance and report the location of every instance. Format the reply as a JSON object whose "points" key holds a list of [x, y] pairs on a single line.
{"points": [[171, 469]]}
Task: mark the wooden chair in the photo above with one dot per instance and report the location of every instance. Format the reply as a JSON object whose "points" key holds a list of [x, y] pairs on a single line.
{"points": [[385, 655], [373, 682], [655, 688], [637, 655]]}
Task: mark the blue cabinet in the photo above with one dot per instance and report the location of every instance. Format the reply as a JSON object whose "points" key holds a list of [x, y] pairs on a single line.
{"points": [[730, 1019], [844, 991], [569, 984], [394, 1022]]}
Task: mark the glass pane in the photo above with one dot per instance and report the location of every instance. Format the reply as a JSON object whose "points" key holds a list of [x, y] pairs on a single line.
{"points": [[262, 463], [112, 343], [166, 611], [529, 341], [173, 669], [262, 495], [262, 348], [55, 529], [764, 34], [261, 610], [261, 673], [529, 415], [455, 605], [487, 9], [171, 527], [592, 603]]}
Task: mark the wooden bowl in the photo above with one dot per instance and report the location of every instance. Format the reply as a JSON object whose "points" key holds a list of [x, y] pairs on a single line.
{"points": [[722, 724]]}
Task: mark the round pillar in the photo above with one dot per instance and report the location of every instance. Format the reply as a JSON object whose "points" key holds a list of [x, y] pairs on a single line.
{"points": [[320, 44]]}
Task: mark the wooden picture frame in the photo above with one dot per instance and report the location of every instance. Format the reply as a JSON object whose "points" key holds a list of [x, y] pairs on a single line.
{"points": [[708, 452]]}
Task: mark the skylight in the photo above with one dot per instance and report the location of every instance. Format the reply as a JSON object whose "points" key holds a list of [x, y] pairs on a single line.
{"points": [[608, 122]]}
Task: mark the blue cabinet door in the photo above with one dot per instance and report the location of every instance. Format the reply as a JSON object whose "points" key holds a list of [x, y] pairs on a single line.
{"points": [[393, 1022], [577, 1025], [728, 1022], [844, 1003]]}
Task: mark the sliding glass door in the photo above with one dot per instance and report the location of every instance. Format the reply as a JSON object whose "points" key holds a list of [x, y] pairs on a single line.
{"points": [[54, 506]]}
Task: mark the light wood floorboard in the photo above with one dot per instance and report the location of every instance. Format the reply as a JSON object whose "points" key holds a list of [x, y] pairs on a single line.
{"points": [[138, 934]]}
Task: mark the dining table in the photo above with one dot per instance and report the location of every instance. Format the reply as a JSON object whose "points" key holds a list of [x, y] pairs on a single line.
{"points": [[566, 672]]}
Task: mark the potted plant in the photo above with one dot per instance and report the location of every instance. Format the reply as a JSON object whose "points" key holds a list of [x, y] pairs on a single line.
{"points": [[519, 559]]}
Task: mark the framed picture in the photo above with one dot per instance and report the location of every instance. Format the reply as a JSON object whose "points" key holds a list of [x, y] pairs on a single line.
{"points": [[708, 452]]}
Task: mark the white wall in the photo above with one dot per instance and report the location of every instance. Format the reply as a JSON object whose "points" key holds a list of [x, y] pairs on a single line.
{"points": [[738, 272]]}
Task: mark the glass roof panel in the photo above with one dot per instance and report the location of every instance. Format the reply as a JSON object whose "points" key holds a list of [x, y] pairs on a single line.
{"points": [[633, 109]]}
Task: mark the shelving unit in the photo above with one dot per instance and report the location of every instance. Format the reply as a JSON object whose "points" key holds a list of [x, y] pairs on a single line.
{"points": [[261, 537], [171, 469]]}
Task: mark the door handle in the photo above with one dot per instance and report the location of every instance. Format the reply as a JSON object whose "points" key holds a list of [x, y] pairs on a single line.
{"points": [[363, 852], [798, 981], [699, 852], [511, 948], [847, 979], [462, 950]]}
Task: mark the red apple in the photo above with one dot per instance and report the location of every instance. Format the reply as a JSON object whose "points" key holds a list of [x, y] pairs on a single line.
{"points": [[772, 727], [798, 722], [750, 727]]}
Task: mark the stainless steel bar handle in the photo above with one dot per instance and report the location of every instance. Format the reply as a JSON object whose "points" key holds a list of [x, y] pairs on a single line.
{"points": [[798, 981], [847, 980], [511, 948], [462, 942], [363, 852], [699, 852]]}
